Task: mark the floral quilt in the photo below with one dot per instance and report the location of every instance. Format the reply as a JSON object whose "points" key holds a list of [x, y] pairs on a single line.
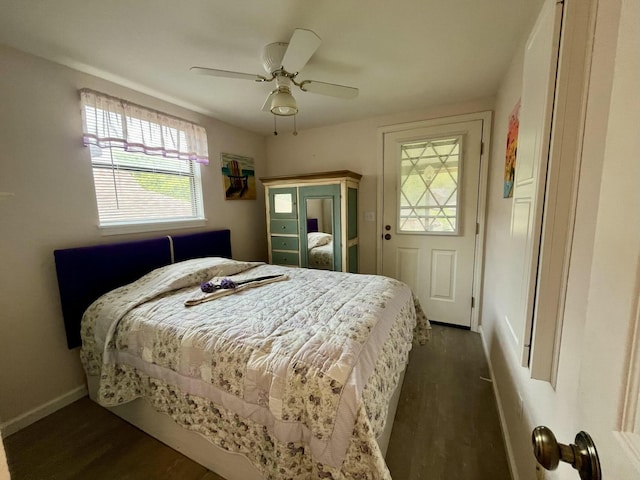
{"points": [[321, 257], [294, 374]]}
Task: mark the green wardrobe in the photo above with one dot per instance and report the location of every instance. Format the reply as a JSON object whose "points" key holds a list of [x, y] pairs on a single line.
{"points": [[312, 220]]}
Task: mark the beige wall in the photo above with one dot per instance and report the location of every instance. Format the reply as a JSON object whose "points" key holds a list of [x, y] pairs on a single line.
{"points": [[351, 146], [4, 468], [504, 357], [43, 163], [526, 403]]}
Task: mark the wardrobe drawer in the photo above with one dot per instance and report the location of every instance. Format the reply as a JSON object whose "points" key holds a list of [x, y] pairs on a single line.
{"points": [[284, 258], [284, 226], [284, 243]]}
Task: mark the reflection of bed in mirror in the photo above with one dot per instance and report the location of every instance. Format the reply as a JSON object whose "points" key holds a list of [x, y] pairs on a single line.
{"points": [[319, 247]]}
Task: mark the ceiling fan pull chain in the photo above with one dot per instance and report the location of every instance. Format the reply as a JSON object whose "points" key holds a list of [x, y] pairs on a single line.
{"points": [[275, 128], [295, 128]]}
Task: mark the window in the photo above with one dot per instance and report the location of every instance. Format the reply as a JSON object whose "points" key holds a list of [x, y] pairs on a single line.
{"points": [[145, 163], [428, 191]]}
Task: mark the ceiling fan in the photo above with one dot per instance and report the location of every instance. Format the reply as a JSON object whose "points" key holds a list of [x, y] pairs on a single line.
{"points": [[283, 62]]}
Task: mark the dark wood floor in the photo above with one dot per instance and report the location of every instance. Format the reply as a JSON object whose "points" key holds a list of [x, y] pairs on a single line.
{"points": [[446, 428], [447, 425]]}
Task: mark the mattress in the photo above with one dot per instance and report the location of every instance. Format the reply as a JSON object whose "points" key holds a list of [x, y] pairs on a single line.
{"points": [[295, 373]]}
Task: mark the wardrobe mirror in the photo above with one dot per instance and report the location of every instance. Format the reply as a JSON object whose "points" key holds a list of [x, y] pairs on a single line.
{"points": [[319, 215]]}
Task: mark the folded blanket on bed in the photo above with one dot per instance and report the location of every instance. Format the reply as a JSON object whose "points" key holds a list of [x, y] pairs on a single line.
{"points": [[219, 289]]}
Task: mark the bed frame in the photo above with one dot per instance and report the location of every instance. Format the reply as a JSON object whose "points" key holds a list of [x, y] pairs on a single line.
{"points": [[111, 266], [86, 273]]}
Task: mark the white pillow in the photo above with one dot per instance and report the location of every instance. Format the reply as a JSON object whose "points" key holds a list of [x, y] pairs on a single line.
{"points": [[317, 239]]}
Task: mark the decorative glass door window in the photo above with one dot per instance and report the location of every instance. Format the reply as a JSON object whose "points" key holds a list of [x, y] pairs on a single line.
{"points": [[428, 191]]}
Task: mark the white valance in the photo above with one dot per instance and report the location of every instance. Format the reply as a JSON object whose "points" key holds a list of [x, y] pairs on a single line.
{"points": [[113, 122]]}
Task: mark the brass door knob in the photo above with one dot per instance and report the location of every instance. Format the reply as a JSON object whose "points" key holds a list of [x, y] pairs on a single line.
{"points": [[582, 455]]}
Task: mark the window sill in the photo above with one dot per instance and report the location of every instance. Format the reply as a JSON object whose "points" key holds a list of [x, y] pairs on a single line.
{"points": [[124, 228]]}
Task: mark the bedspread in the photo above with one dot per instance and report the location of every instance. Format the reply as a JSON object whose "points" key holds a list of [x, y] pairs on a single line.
{"points": [[321, 257], [290, 360]]}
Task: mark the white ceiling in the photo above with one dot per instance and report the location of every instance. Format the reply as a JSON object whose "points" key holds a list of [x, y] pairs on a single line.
{"points": [[403, 55]]}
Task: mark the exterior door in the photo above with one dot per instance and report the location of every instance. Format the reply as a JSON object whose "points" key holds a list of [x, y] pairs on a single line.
{"points": [[430, 197]]}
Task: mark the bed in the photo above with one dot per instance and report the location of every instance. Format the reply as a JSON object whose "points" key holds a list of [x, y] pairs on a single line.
{"points": [[292, 373], [320, 250]]}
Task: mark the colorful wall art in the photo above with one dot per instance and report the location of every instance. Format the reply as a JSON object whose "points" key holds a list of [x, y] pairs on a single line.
{"points": [[512, 150], [238, 173]]}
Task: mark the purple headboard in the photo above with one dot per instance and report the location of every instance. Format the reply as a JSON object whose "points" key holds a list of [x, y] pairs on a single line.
{"points": [[312, 225], [86, 273]]}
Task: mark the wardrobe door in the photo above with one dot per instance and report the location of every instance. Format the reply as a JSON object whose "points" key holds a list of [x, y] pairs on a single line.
{"points": [[283, 203], [320, 227]]}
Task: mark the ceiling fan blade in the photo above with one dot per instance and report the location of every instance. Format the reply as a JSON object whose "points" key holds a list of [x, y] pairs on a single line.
{"points": [[302, 45], [267, 103], [214, 72], [330, 89]]}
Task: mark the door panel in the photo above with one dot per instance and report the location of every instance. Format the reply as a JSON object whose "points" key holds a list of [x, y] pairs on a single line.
{"points": [[443, 274], [283, 202], [600, 342], [610, 370], [330, 194], [430, 197], [539, 79]]}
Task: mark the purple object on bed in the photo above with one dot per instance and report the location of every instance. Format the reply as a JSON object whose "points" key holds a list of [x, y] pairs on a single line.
{"points": [[86, 273]]}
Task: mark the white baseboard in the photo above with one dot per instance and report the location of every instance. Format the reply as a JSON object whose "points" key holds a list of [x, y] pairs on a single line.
{"points": [[32, 416], [503, 420]]}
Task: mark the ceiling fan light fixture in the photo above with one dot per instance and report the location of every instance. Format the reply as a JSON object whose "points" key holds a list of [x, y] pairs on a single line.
{"points": [[283, 104], [283, 62]]}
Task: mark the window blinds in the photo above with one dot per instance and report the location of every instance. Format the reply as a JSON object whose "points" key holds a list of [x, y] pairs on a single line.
{"points": [[138, 188], [113, 122], [144, 162]]}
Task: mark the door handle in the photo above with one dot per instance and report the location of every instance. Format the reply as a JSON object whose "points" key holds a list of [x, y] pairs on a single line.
{"points": [[582, 455], [387, 236]]}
